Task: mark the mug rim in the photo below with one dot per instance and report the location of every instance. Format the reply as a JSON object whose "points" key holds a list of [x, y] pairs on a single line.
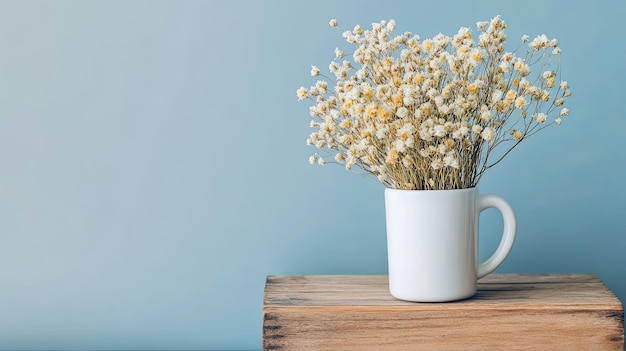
{"points": [[436, 190]]}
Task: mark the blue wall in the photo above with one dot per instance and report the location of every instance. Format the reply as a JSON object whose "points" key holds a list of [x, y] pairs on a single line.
{"points": [[154, 169]]}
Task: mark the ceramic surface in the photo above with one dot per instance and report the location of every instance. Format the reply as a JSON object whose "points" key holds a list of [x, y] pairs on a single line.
{"points": [[432, 242]]}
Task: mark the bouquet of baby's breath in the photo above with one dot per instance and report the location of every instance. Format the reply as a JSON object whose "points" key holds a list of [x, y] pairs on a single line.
{"points": [[435, 113]]}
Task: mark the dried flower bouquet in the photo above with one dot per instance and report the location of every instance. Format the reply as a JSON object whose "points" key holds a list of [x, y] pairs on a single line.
{"points": [[435, 113]]}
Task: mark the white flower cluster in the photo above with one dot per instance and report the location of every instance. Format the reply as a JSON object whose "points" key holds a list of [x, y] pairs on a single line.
{"points": [[427, 114]]}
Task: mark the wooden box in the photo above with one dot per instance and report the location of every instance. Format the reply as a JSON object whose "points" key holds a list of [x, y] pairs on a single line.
{"points": [[509, 312]]}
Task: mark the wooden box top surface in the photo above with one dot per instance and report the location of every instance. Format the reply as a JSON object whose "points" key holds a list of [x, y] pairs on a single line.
{"points": [[496, 291]]}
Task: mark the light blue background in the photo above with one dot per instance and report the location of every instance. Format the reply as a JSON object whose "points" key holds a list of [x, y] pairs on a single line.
{"points": [[153, 168]]}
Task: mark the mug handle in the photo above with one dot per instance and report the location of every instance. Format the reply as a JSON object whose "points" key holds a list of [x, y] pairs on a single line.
{"points": [[508, 234]]}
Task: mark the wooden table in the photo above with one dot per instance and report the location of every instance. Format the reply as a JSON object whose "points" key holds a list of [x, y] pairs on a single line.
{"points": [[509, 312]]}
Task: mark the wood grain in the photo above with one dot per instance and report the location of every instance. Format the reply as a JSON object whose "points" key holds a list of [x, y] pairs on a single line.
{"points": [[509, 312]]}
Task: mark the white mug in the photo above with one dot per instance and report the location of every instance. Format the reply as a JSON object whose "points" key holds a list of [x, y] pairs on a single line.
{"points": [[432, 242]]}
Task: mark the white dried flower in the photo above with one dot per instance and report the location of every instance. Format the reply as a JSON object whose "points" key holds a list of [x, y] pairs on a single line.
{"points": [[315, 71], [496, 96], [406, 132], [541, 41], [402, 112], [399, 145], [485, 116], [408, 100], [450, 160], [505, 66], [338, 53], [302, 93], [477, 129], [333, 67], [461, 132], [487, 134], [321, 86], [439, 131], [541, 117], [381, 133]]}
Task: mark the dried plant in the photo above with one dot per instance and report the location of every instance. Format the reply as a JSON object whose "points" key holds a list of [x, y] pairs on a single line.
{"points": [[435, 113]]}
